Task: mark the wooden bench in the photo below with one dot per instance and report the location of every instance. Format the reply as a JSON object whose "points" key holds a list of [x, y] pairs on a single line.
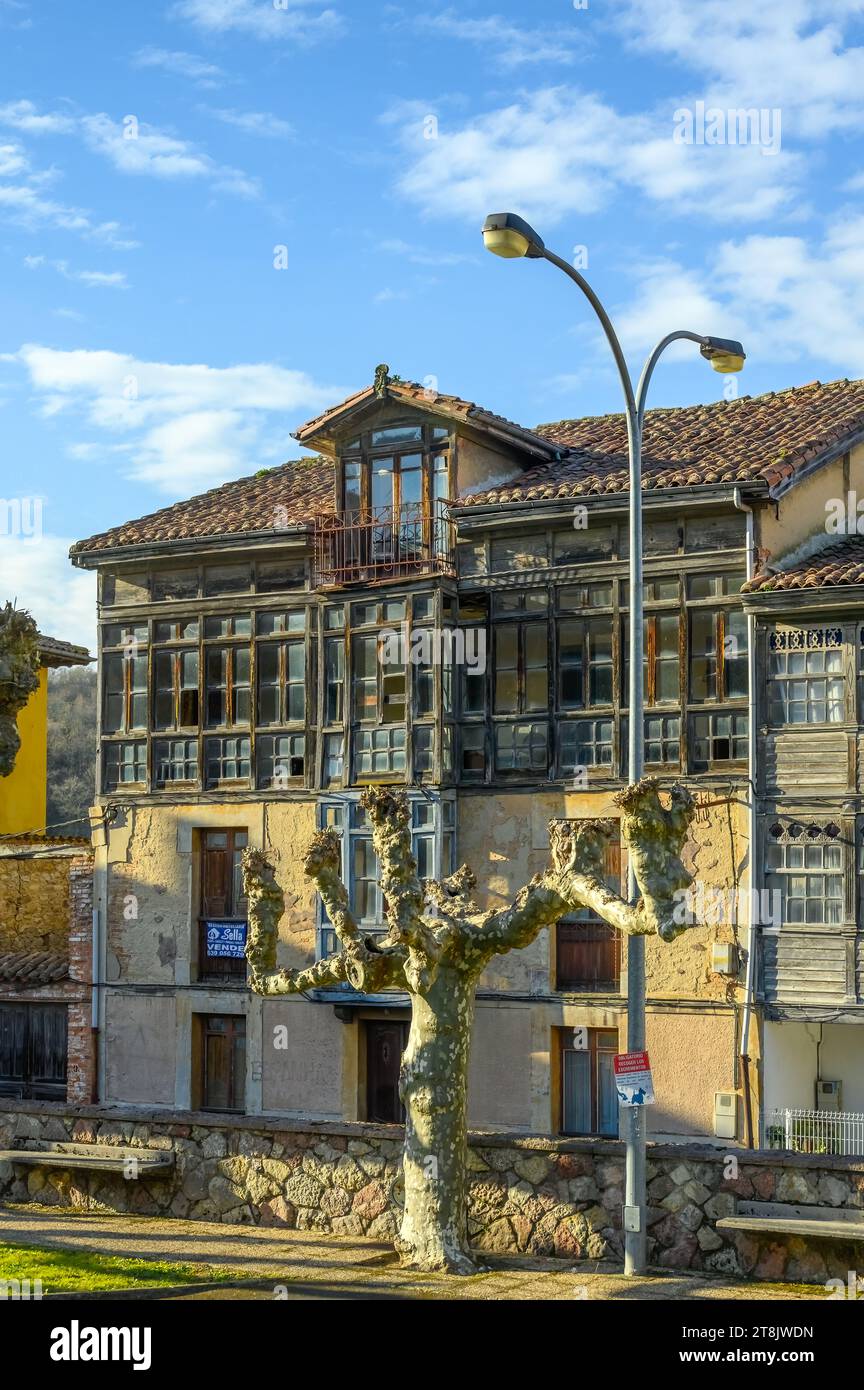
{"points": [[786, 1219], [101, 1158]]}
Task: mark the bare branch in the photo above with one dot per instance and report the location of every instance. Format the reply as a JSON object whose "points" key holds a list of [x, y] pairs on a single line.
{"points": [[404, 902], [453, 894], [361, 962], [655, 836]]}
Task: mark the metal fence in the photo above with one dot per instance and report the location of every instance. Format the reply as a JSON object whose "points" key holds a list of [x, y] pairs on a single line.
{"points": [[816, 1132]]}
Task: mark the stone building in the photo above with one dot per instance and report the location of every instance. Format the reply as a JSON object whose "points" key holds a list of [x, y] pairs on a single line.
{"points": [[438, 599]]}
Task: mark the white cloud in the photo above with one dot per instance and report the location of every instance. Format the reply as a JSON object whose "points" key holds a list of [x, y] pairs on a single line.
{"points": [[181, 427], [422, 255], [93, 279], [387, 295], [12, 160], [300, 21], [39, 574], [24, 205], [262, 123], [791, 55], [559, 150], [197, 70], [505, 42], [788, 299], [24, 116], [132, 146], [136, 148]]}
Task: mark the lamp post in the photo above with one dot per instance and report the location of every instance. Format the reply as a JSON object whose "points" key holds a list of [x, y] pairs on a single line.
{"points": [[507, 235]]}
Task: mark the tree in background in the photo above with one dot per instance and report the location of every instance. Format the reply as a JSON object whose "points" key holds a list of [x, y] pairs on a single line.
{"points": [[437, 944], [71, 748], [19, 677]]}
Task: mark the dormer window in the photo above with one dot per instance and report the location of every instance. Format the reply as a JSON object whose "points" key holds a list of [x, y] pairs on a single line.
{"points": [[392, 486], [399, 468]]}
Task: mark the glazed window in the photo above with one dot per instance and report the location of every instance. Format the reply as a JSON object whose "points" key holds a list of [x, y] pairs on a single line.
{"points": [[124, 764], [281, 682], [175, 760], [584, 743], [281, 759], [584, 663], [175, 689], [806, 863], [718, 655], [522, 748], [124, 678], [228, 689], [805, 676], [227, 760], [521, 680]]}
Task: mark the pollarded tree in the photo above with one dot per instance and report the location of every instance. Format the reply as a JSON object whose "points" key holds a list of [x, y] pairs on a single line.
{"points": [[19, 677], [437, 944]]}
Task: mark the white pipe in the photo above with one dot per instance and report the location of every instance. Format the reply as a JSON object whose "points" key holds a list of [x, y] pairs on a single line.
{"points": [[751, 811]]}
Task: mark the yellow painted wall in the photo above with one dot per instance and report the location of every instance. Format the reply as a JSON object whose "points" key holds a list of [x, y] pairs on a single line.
{"points": [[23, 794]]}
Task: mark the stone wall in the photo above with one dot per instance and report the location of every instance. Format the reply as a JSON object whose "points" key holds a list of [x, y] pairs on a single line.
{"points": [[531, 1195], [34, 895]]}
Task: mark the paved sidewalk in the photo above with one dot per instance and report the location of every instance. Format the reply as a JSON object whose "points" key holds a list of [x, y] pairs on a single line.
{"points": [[351, 1267]]}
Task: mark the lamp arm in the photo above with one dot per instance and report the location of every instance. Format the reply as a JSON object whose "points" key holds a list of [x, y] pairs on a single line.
{"points": [[651, 363], [611, 335]]}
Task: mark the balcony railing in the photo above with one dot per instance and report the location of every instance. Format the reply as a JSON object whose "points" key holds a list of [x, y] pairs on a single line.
{"points": [[816, 1132], [382, 543]]}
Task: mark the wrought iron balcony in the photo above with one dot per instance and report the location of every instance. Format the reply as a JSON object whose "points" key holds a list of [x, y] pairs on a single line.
{"points": [[372, 544]]}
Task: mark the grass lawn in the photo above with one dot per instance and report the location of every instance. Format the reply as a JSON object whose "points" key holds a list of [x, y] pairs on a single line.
{"points": [[84, 1271]]}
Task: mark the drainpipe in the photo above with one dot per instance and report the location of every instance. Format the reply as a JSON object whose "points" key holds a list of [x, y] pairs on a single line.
{"points": [[750, 982]]}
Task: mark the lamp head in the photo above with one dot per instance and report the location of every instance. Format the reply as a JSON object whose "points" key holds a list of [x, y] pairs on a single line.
{"points": [[725, 354], [505, 234]]}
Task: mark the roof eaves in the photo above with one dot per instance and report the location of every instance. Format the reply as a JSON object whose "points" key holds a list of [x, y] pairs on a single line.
{"points": [[92, 556]]}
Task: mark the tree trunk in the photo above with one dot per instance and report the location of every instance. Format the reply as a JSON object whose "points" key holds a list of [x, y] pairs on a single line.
{"points": [[433, 1086]]}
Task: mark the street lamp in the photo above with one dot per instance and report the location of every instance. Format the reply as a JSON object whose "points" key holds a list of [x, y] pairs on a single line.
{"points": [[505, 234]]}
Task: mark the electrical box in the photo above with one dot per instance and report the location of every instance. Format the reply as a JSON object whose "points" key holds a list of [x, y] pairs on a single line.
{"points": [[724, 958], [829, 1095], [725, 1114]]}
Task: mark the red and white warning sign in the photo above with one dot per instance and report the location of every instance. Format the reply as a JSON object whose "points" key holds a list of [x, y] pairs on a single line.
{"points": [[633, 1079]]}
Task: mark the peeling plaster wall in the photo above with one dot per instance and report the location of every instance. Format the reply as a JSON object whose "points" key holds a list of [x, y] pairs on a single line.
{"points": [[140, 1037], [304, 1078], [503, 836], [499, 1075], [152, 870], [153, 884]]}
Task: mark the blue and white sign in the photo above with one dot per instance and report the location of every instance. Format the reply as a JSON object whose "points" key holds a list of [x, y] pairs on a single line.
{"points": [[226, 939]]}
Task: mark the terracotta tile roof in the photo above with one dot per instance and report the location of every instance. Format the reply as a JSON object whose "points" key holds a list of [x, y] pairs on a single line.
{"points": [[33, 968], [54, 652], [761, 438], [287, 495], [746, 440], [840, 563], [451, 407]]}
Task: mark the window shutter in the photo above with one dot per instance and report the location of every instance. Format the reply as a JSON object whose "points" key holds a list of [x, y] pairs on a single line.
{"points": [[215, 882]]}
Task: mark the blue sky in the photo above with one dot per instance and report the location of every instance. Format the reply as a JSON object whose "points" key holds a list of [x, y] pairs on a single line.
{"points": [[155, 158]]}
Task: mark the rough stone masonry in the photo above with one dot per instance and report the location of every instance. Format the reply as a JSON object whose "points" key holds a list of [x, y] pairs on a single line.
{"points": [[527, 1195]]}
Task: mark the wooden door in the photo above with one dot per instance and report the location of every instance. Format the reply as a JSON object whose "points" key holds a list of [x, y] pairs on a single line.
{"points": [[385, 1043]]}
